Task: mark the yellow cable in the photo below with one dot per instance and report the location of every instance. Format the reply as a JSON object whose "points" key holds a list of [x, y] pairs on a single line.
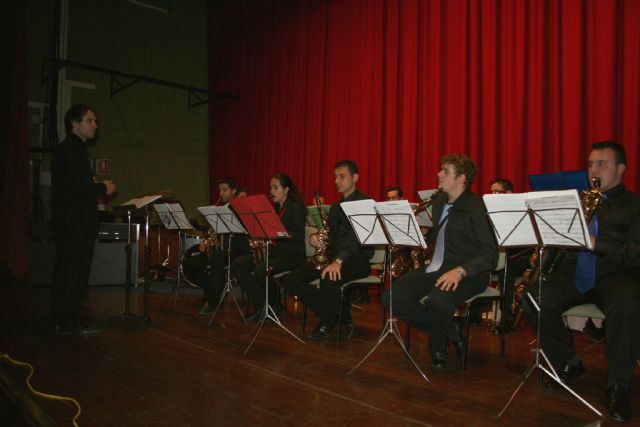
{"points": [[43, 395]]}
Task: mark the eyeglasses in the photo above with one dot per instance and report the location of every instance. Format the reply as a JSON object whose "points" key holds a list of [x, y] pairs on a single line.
{"points": [[498, 192], [598, 163]]}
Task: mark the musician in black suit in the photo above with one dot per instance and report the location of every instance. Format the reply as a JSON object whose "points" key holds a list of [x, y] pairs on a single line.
{"points": [[465, 254], [613, 286], [285, 254], [348, 259], [75, 217]]}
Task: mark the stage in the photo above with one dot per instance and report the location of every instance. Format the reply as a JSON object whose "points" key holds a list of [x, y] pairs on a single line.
{"points": [[178, 371]]}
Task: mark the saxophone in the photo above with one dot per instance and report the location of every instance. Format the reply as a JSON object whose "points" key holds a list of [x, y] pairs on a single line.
{"points": [[320, 259], [591, 202], [418, 255], [258, 251], [211, 242]]}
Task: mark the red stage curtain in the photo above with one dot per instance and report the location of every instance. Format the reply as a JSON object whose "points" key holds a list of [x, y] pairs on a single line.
{"points": [[521, 86]]}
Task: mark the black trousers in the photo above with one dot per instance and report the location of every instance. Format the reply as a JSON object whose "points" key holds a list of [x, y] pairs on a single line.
{"points": [[617, 295], [207, 272], [71, 268], [252, 277], [325, 299], [436, 315]]}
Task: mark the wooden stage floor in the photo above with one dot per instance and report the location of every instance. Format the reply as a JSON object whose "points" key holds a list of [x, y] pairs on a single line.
{"points": [[180, 372]]}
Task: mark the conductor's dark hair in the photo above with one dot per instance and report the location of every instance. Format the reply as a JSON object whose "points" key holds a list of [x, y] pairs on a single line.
{"points": [[621, 155], [353, 167], [75, 114]]}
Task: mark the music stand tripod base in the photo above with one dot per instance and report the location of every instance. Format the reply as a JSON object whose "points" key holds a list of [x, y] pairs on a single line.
{"points": [[269, 313]]}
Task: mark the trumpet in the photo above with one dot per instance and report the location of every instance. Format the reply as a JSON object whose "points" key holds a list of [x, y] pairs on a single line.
{"points": [[320, 259]]}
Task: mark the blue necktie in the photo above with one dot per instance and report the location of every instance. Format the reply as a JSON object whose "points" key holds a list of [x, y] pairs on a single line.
{"points": [[585, 278], [438, 256]]}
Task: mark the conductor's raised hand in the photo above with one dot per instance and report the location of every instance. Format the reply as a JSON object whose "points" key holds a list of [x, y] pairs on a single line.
{"points": [[111, 187]]}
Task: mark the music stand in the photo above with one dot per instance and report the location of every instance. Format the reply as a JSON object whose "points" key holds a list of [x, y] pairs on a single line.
{"points": [[390, 224], [173, 218], [223, 221], [262, 222], [543, 219], [130, 206]]}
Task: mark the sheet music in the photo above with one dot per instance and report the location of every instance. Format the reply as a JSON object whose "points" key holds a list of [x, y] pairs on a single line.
{"points": [[142, 201], [560, 218], [557, 214], [363, 219], [398, 218], [172, 216], [425, 218], [402, 226], [222, 220]]}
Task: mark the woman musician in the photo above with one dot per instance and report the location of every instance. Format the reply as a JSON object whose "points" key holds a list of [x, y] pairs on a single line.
{"points": [[250, 270]]}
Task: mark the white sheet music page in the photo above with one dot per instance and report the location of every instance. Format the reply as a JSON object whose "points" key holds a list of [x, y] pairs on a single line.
{"points": [[425, 218], [402, 226], [172, 216], [559, 217], [142, 201], [510, 219], [363, 219], [222, 220]]}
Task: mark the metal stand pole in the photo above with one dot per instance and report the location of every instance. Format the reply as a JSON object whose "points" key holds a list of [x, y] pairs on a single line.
{"points": [[228, 287], [268, 312], [536, 363], [390, 327]]}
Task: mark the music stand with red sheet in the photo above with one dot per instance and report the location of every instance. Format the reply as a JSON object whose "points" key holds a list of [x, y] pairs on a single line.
{"points": [[261, 222]]}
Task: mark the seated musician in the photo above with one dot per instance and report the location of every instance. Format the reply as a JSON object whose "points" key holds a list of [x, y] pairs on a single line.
{"points": [[286, 254], [347, 259], [206, 272], [465, 253], [607, 277], [394, 193]]}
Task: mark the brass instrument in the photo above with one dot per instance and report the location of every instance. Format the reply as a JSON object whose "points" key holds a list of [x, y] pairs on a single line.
{"points": [[418, 255], [211, 242], [320, 259], [258, 249], [590, 201]]}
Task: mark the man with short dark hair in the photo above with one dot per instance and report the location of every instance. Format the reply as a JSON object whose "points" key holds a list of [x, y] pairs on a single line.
{"points": [[348, 259], [501, 186], [465, 253], [75, 218], [394, 193], [606, 276]]}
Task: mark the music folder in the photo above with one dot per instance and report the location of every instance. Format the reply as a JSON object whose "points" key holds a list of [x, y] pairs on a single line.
{"points": [[259, 218], [547, 218]]}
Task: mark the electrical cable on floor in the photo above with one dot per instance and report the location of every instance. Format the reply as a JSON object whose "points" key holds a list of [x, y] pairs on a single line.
{"points": [[39, 393]]}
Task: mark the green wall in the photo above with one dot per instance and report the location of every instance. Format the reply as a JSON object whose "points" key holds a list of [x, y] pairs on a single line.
{"points": [[153, 141]]}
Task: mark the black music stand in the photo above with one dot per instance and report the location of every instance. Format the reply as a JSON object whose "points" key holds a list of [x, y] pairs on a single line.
{"points": [[390, 224], [223, 221], [173, 218], [262, 222], [130, 206], [549, 219]]}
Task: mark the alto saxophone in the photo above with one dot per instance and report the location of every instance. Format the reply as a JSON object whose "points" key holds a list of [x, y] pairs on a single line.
{"points": [[211, 242], [419, 256], [591, 202], [320, 259], [258, 250]]}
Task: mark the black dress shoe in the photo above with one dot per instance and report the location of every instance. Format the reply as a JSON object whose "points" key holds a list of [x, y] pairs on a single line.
{"points": [[618, 406], [439, 359], [321, 332], [567, 374], [255, 316]]}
